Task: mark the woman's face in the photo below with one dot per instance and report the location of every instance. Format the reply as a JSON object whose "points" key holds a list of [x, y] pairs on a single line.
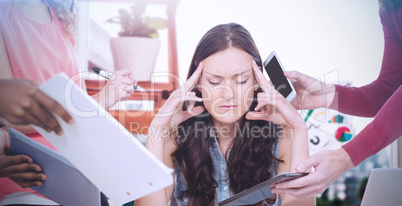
{"points": [[227, 84]]}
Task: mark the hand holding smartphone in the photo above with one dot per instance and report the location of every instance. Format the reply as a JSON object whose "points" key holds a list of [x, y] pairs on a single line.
{"points": [[274, 69]]}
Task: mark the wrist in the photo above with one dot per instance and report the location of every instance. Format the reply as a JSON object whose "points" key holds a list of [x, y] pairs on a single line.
{"points": [[299, 132], [345, 159], [330, 95], [100, 97]]}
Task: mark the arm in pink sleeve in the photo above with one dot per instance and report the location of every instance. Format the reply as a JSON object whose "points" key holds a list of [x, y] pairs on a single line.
{"points": [[369, 100], [382, 131]]}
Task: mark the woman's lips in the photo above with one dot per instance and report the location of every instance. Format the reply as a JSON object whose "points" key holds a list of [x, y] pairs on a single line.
{"points": [[228, 107]]}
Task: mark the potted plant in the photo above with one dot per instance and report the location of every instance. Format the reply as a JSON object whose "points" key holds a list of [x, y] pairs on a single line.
{"points": [[137, 45]]}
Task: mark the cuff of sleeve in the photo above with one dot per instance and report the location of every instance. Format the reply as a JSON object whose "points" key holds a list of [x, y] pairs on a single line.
{"points": [[341, 93], [358, 148]]}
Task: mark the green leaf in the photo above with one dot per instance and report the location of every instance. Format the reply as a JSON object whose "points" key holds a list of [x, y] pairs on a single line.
{"points": [[154, 35], [156, 23]]}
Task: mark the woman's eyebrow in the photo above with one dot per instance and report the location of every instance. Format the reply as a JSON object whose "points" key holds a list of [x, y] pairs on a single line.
{"points": [[218, 76], [238, 74]]}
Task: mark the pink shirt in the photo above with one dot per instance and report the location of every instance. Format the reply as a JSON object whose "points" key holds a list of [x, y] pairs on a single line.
{"points": [[37, 52], [382, 98]]}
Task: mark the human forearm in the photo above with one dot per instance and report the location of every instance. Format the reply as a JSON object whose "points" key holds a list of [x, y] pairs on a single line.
{"points": [[363, 101], [156, 140], [299, 153], [299, 146], [156, 144], [153, 199], [382, 131]]}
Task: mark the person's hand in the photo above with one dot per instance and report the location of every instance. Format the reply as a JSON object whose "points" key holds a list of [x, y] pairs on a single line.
{"points": [[18, 168], [22, 103], [273, 106], [311, 93], [329, 165], [171, 113], [119, 87]]}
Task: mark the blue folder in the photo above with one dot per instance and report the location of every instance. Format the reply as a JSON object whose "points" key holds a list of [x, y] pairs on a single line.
{"points": [[65, 184]]}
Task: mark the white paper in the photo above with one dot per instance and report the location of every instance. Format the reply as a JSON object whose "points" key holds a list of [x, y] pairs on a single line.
{"points": [[101, 148]]}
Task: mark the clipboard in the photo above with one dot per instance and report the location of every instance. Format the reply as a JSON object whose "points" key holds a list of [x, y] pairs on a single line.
{"points": [[65, 184], [101, 148], [260, 191]]}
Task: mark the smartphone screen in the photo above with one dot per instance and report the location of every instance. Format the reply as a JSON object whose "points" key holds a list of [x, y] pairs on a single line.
{"points": [[278, 79]]}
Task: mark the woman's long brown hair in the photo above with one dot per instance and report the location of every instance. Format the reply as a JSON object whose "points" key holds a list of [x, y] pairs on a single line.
{"points": [[251, 158]]}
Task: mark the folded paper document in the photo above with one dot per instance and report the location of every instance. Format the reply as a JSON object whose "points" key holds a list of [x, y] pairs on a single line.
{"points": [[101, 148]]}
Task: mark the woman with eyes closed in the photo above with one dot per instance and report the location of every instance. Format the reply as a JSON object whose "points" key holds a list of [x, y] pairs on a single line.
{"points": [[235, 132]]}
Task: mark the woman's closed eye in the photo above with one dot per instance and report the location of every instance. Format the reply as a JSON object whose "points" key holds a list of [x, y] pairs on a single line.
{"points": [[214, 82], [242, 81]]}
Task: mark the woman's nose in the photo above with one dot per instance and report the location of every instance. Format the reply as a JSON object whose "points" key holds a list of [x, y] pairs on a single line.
{"points": [[226, 90]]}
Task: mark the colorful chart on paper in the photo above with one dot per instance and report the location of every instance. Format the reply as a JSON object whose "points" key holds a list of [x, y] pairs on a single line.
{"points": [[343, 134]]}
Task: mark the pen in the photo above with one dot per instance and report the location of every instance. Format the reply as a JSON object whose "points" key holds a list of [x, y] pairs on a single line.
{"points": [[107, 75]]}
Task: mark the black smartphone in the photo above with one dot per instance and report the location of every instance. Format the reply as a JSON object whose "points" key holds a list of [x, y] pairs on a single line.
{"points": [[274, 69]]}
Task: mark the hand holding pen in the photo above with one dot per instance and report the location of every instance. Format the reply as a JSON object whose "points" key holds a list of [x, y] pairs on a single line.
{"points": [[120, 86], [107, 75]]}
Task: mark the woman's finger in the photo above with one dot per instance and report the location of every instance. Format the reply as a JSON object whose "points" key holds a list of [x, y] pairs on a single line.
{"points": [[122, 80], [192, 81], [130, 89], [29, 119], [28, 176], [53, 106], [25, 184], [263, 99], [46, 119], [18, 168], [190, 96], [265, 85], [13, 160], [192, 113], [256, 116]]}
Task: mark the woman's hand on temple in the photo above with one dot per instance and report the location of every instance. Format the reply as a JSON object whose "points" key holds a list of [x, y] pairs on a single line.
{"points": [[273, 106], [171, 113]]}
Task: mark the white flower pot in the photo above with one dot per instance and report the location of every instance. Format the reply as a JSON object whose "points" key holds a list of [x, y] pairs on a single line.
{"points": [[136, 53]]}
